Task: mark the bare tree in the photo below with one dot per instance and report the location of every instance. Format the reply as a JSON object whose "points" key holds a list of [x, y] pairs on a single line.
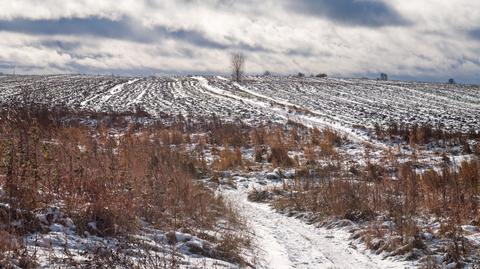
{"points": [[238, 63]]}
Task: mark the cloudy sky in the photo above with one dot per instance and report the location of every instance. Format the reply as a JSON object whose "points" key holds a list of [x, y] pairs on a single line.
{"points": [[408, 39]]}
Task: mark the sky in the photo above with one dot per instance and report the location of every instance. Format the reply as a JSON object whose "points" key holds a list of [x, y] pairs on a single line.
{"points": [[427, 40]]}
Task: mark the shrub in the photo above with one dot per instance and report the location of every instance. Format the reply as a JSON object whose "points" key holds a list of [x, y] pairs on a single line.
{"points": [[279, 156], [476, 150], [229, 159], [101, 178]]}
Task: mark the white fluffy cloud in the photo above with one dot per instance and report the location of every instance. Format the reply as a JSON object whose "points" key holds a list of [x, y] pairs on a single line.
{"points": [[427, 39]]}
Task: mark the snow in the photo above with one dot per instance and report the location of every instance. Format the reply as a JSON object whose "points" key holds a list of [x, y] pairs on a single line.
{"points": [[343, 104], [287, 242], [61, 243], [340, 104]]}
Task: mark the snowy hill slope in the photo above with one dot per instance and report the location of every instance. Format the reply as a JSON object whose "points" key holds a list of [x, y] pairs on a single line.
{"points": [[341, 103]]}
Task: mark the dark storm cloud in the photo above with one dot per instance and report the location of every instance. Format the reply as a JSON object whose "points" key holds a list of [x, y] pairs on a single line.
{"points": [[246, 47], [192, 37], [60, 45], [70, 26], [145, 71], [8, 67], [475, 33], [369, 13], [70, 48], [123, 29], [463, 61]]}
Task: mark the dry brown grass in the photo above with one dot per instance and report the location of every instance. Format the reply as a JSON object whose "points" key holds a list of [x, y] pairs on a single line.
{"points": [[13, 253], [111, 176], [279, 156], [476, 148], [325, 186], [228, 159], [115, 178], [415, 134]]}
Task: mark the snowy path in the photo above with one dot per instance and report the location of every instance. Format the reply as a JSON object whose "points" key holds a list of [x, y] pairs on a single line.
{"points": [[286, 242], [282, 108]]}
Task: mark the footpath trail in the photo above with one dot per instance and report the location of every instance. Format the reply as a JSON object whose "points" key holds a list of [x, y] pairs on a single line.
{"points": [[287, 242]]}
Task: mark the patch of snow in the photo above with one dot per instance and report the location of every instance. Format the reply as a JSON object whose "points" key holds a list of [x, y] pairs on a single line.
{"points": [[290, 243]]}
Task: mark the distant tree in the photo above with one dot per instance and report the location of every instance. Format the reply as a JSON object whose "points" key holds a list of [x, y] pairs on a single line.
{"points": [[321, 75], [267, 73], [383, 76], [301, 75], [451, 81], [238, 65]]}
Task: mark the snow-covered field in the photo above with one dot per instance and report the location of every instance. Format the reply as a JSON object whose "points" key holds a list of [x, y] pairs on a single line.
{"points": [[341, 103]]}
